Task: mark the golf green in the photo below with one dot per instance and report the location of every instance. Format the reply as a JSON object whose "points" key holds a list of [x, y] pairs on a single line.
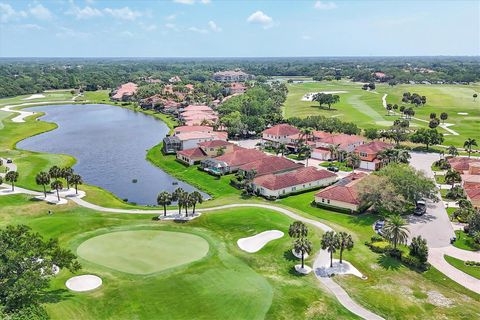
{"points": [[143, 251]]}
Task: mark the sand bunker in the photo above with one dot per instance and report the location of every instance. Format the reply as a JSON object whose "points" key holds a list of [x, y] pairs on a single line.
{"points": [[309, 96], [83, 283], [258, 241], [34, 96], [463, 113]]}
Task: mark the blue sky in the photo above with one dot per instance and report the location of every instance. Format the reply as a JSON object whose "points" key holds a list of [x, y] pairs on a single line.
{"points": [[229, 28]]}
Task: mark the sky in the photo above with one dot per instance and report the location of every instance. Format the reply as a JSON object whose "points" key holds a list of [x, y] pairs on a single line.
{"points": [[230, 28]]}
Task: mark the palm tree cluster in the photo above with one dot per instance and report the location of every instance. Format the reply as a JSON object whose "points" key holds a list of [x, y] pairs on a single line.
{"points": [[332, 242], [299, 231], [395, 230], [56, 174], [394, 155], [183, 198]]}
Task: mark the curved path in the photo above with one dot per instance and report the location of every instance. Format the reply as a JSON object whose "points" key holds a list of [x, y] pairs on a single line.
{"points": [[321, 259]]}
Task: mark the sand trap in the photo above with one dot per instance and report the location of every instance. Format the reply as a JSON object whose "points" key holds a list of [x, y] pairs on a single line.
{"points": [[258, 241], [83, 283], [463, 113], [309, 96], [34, 96]]}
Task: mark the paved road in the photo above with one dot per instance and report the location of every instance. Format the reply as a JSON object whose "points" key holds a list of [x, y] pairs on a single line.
{"points": [[435, 226], [9, 166]]}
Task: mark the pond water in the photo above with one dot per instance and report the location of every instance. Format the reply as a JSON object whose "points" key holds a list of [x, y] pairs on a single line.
{"points": [[110, 144]]}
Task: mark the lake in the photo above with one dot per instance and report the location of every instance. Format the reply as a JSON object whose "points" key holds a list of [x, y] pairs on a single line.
{"points": [[110, 144]]}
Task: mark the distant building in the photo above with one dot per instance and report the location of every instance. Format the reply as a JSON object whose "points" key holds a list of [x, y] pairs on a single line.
{"points": [[185, 138], [368, 154], [279, 134], [276, 185], [343, 194], [125, 92], [175, 79], [236, 88], [231, 162], [232, 76], [205, 150]]}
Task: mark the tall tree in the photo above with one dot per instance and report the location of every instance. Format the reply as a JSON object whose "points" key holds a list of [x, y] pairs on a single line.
{"points": [[331, 243], [302, 245], [66, 174], [395, 230], [427, 137], [164, 199], [452, 177], [55, 172], [176, 197], [57, 185], [346, 243], [12, 177], [444, 116], [353, 160], [452, 150], [194, 198], [475, 97], [27, 263], [76, 180], [333, 149], [43, 179], [468, 145], [297, 229]]}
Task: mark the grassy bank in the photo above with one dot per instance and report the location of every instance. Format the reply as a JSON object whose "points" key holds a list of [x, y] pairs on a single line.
{"points": [[474, 271]]}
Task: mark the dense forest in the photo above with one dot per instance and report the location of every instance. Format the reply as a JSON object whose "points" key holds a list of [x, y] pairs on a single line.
{"points": [[25, 76]]}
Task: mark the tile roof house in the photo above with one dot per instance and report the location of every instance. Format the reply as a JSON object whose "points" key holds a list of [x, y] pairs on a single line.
{"points": [[201, 108], [205, 150], [279, 134], [344, 142], [461, 164], [183, 129], [190, 137], [368, 154], [236, 88], [230, 162], [275, 185], [473, 195], [270, 164], [343, 194], [125, 92], [232, 76]]}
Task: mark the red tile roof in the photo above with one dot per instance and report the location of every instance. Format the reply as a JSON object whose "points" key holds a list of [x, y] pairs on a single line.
{"points": [[292, 178], [128, 89], [194, 153], [198, 108], [373, 147], [194, 135], [473, 193], [281, 130], [241, 156], [342, 139], [321, 134], [271, 164], [214, 144], [461, 163], [193, 129], [344, 190]]}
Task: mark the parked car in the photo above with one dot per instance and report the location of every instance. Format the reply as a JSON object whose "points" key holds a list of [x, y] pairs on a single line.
{"points": [[332, 168], [420, 208], [9, 160]]}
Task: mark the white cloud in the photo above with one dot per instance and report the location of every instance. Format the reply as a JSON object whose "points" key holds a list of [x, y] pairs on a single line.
{"points": [[198, 30], [261, 18], [323, 5], [7, 13], [148, 27], [171, 17], [190, 2], [85, 13], [90, 1], [184, 1], [214, 26], [171, 26], [70, 33], [40, 12], [124, 13], [306, 37], [30, 26], [127, 34]]}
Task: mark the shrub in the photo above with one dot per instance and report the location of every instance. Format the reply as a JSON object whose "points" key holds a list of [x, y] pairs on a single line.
{"points": [[377, 238], [456, 193], [472, 263], [419, 249], [442, 164], [415, 263], [395, 253]]}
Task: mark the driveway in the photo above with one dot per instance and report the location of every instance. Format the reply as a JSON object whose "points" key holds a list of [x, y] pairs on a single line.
{"points": [[435, 226]]}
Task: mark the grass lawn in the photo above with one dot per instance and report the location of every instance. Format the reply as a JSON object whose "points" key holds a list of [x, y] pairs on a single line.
{"points": [[440, 179], [53, 95], [464, 241], [366, 109], [226, 284], [342, 166], [136, 252], [474, 271]]}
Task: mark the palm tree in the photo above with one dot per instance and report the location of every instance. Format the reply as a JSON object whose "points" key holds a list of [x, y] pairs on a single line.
{"points": [[468, 144], [12, 177], [353, 160], [57, 185], [403, 156], [302, 245], [452, 176], [444, 116], [305, 133], [176, 197], [452, 150], [331, 243], [76, 179], [282, 149], [164, 199], [194, 198], [333, 148], [475, 97], [395, 230], [55, 172], [67, 173], [43, 179], [308, 154], [297, 229], [184, 201], [346, 243]]}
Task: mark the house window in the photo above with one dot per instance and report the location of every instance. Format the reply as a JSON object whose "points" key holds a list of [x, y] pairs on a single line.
{"points": [[328, 201], [363, 154], [323, 200], [294, 188]]}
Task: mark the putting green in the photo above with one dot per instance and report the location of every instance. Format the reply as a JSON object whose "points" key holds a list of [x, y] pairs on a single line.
{"points": [[143, 251]]}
